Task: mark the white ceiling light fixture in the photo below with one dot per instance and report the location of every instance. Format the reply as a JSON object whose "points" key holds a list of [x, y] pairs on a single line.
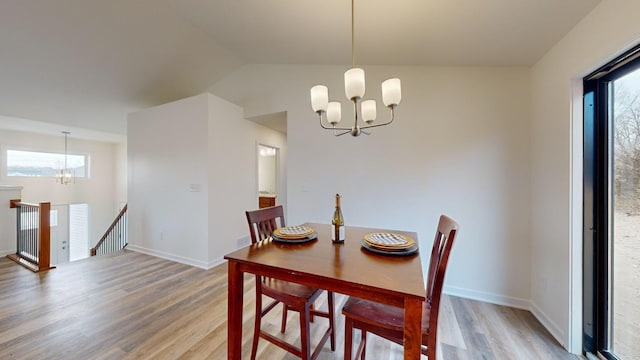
{"points": [[65, 175], [354, 87]]}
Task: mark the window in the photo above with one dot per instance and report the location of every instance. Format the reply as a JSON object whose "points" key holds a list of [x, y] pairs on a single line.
{"points": [[44, 164]]}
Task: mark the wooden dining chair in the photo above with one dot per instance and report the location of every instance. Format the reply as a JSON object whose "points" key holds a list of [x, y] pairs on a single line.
{"points": [[293, 296], [388, 321]]}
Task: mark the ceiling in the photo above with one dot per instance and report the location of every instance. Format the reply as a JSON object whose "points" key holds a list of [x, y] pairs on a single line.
{"points": [[86, 64], [407, 32]]}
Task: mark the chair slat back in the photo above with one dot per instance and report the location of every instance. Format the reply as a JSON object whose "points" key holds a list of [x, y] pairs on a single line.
{"points": [[445, 235], [264, 221]]}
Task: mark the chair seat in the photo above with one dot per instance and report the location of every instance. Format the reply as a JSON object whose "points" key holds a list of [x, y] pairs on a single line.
{"points": [[382, 315], [388, 321], [295, 297], [274, 288]]}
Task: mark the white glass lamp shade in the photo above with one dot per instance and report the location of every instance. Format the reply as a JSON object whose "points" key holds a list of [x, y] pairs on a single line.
{"points": [[334, 112], [354, 83], [319, 98], [391, 92], [368, 111]]}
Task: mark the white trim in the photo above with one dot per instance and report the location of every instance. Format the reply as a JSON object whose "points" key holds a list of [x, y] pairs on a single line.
{"points": [[180, 259], [514, 302], [551, 326], [10, 188], [576, 198], [214, 263], [243, 242], [497, 299], [7, 252]]}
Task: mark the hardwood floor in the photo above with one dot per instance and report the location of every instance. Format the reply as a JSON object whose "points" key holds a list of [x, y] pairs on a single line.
{"points": [[134, 306]]}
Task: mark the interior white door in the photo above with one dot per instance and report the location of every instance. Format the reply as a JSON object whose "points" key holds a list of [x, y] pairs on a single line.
{"points": [[59, 223]]}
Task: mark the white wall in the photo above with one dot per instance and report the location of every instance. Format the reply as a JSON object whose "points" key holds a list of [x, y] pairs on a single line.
{"points": [[233, 174], [202, 141], [167, 157], [121, 174], [459, 146], [8, 219], [556, 135], [98, 191]]}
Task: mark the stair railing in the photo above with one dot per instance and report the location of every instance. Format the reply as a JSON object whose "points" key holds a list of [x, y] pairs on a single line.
{"points": [[33, 235], [115, 238]]}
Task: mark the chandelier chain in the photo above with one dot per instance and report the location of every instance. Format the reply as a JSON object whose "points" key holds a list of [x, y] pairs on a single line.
{"points": [[353, 41], [66, 133]]}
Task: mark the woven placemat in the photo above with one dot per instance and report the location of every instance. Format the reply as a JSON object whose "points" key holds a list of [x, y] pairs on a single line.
{"points": [[293, 232], [389, 241]]}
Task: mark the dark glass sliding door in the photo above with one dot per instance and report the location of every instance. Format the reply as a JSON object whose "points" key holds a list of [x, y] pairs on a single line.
{"points": [[612, 210]]}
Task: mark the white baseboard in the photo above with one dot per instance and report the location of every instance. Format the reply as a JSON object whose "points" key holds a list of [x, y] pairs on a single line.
{"points": [[514, 302], [214, 263], [549, 324], [243, 241], [7, 252], [168, 256], [488, 297], [518, 303], [240, 242], [180, 259]]}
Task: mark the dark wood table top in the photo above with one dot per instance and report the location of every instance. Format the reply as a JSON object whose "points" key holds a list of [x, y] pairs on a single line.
{"points": [[345, 268]]}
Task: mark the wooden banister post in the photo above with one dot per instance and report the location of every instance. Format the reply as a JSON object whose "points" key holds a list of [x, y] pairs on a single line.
{"points": [[44, 237]]}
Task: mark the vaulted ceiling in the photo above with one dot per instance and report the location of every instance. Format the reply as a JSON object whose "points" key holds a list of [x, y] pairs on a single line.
{"points": [[87, 63]]}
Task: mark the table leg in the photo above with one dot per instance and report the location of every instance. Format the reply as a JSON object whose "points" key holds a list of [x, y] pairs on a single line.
{"points": [[234, 314], [412, 328]]}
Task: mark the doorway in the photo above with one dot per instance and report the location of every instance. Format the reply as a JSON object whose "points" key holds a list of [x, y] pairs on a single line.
{"points": [[69, 233], [59, 223], [268, 163], [611, 318]]}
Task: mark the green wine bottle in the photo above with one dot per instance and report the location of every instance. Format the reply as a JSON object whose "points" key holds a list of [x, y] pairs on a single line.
{"points": [[337, 223]]}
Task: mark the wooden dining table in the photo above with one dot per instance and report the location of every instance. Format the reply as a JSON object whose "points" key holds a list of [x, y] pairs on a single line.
{"points": [[344, 268]]}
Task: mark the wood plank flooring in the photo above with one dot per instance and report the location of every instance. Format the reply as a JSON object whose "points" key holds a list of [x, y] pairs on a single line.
{"points": [[134, 306]]}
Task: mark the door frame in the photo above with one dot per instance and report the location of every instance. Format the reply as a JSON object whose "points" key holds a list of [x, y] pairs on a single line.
{"points": [[277, 170], [597, 203]]}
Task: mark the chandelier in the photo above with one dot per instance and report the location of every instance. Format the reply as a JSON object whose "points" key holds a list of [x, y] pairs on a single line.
{"points": [[354, 87], [65, 175]]}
